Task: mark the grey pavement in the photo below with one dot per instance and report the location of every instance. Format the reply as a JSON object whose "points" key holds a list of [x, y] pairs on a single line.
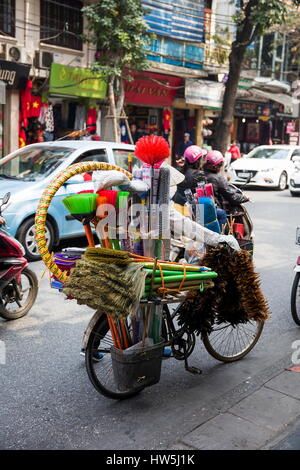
{"points": [[47, 401]]}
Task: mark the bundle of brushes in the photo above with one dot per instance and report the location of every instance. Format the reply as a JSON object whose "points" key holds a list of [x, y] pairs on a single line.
{"points": [[153, 150], [82, 207], [167, 277]]}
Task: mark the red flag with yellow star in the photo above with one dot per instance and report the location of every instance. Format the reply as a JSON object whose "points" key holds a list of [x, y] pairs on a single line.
{"points": [[35, 108]]}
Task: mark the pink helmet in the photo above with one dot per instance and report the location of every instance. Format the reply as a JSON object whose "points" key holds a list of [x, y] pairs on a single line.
{"points": [[214, 157], [193, 153]]}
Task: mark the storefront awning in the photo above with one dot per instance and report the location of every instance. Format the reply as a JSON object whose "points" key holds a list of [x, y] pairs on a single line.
{"points": [[2, 92], [74, 81], [290, 103]]}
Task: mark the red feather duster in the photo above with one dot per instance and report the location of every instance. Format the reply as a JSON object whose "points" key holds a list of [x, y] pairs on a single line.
{"points": [[152, 149]]}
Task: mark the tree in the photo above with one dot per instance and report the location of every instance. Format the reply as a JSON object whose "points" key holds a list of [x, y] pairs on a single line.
{"points": [[118, 29], [253, 19]]}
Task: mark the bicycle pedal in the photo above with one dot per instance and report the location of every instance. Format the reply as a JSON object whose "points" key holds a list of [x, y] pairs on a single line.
{"points": [[193, 370]]}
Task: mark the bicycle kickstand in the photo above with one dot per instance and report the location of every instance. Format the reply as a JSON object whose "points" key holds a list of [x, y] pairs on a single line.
{"points": [[191, 369]]}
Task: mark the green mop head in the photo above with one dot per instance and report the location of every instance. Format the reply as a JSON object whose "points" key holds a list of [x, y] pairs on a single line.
{"points": [[81, 206]]}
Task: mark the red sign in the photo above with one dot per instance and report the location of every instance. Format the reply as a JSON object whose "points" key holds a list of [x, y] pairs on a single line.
{"points": [[290, 127], [151, 89]]}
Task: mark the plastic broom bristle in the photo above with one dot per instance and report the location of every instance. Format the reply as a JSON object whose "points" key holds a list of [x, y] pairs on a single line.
{"points": [[80, 203], [152, 149]]}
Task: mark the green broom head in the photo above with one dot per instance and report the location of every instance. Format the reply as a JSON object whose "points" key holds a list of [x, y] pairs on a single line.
{"points": [[81, 206], [122, 199]]}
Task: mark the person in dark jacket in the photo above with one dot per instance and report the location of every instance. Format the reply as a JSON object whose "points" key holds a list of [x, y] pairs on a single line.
{"points": [[223, 191], [192, 172]]}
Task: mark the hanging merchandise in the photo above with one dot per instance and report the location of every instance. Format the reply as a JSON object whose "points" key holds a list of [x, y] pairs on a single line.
{"points": [[25, 103], [166, 120], [80, 118], [91, 120], [35, 106], [22, 136], [235, 298]]}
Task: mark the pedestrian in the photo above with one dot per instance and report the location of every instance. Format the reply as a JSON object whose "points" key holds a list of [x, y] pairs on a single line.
{"points": [[184, 144], [234, 150], [192, 172]]}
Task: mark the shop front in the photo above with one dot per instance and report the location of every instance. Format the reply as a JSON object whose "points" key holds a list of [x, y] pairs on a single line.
{"points": [[76, 97], [258, 123], [148, 105], [13, 78]]}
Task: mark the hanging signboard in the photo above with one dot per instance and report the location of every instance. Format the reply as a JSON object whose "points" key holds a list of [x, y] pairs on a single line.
{"points": [[204, 93], [151, 89], [74, 81], [14, 75]]}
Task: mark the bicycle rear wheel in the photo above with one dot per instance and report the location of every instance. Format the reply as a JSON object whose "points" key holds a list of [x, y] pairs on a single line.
{"points": [[100, 372], [229, 343], [295, 299]]}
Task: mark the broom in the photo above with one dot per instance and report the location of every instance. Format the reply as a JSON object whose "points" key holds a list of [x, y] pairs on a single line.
{"points": [[152, 150], [83, 208], [111, 199]]}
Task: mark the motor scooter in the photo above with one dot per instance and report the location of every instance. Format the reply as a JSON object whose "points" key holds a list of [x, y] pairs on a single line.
{"points": [[295, 293], [18, 284]]}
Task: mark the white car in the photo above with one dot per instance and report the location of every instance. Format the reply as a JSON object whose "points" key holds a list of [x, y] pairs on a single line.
{"points": [[294, 182], [267, 165]]}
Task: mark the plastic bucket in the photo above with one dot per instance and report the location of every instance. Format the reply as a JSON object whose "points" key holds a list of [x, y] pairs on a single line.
{"points": [[138, 368], [239, 230]]}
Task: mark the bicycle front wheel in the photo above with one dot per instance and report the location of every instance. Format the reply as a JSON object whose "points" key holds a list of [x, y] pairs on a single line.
{"points": [[295, 299], [98, 362], [229, 343]]}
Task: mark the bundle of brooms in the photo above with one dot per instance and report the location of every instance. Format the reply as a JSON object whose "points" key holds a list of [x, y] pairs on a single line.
{"points": [[235, 298], [115, 281]]}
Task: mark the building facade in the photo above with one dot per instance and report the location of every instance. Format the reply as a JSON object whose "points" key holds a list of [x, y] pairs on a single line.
{"points": [[44, 65]]}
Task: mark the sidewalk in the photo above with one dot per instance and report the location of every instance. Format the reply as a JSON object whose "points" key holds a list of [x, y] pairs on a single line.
{"points": [[267, 417]]}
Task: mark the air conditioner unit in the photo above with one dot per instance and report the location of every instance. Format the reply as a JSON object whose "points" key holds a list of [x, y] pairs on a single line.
{"points": [[13, 53], [43, 59]]}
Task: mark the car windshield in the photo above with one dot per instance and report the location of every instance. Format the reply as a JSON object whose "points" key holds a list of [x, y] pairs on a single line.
{"points": [[34, 163], [273, 153], [121, 158]]}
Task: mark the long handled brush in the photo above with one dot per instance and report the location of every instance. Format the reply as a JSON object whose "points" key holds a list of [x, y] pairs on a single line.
{"points": [[83, 208], [152, 150]]}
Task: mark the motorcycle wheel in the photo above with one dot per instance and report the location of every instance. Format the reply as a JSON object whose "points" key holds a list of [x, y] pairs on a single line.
{"points": [[12, 307], [295, 300]]}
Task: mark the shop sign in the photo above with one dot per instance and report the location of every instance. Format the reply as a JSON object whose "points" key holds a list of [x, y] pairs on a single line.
{"points": [[204, 93], [290, 127], [151, 89], [74, 81], [14, 75], [252, 109]]}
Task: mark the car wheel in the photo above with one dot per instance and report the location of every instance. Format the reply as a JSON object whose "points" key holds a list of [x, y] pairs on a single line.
{"points": [[26, 236], [282, 184]]}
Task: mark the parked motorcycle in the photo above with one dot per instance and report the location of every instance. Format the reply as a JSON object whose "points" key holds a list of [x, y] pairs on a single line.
{"points": [[18, 284], [242, 224], [295, 294]]}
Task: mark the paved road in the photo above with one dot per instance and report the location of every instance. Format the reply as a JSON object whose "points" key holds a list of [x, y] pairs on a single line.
{"points": [[47, 401]]}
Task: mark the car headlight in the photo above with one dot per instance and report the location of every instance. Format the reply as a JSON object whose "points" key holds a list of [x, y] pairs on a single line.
{"points": [[292, 182], [268, 169]]}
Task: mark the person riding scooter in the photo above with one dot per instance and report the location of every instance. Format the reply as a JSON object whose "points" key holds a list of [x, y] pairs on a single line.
{"points": [[192, 172], [223, 191]]}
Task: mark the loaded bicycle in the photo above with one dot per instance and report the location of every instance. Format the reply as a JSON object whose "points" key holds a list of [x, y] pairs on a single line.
{"points": [[112, 371]]}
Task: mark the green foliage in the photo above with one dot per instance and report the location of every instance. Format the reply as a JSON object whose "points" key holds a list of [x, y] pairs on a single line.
{"points": [[119, 30]]}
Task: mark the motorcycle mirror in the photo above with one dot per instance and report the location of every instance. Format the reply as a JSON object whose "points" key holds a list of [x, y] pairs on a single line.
{"points": [[5, 199]]}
